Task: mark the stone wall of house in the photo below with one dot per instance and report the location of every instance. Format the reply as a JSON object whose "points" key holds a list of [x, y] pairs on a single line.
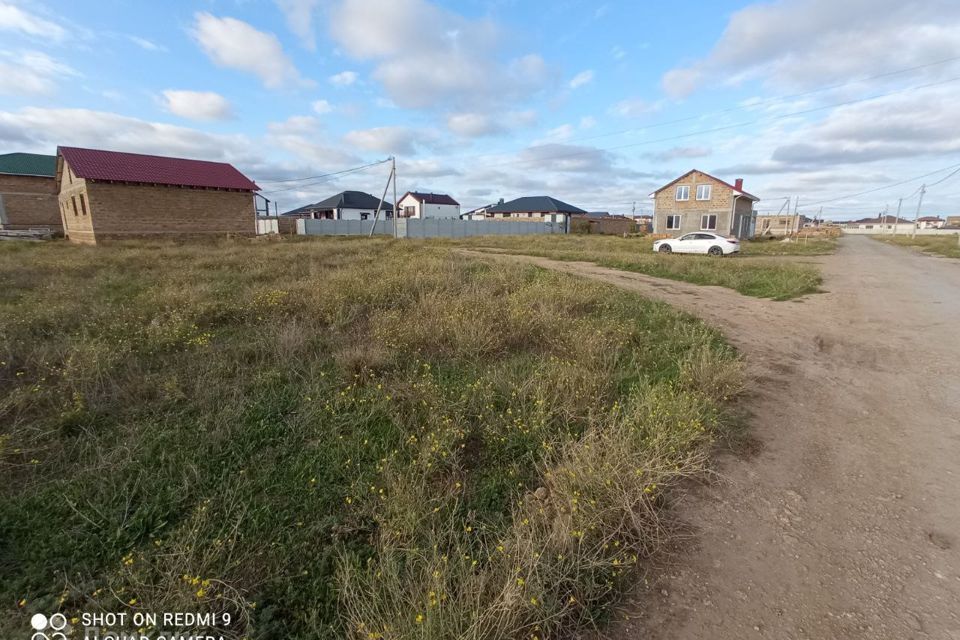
{"points": [[692, 210], [75, 207], [122, 211], [29, 202]]}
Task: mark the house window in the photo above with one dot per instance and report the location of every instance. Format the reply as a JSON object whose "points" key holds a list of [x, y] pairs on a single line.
{"points": [[73, 201], [673, 222], [703, 191], [708, 222], [409, 212], [683, 193], [83, 204]]}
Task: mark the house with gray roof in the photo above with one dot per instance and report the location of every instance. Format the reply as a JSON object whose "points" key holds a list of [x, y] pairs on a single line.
{"points": [[532, 208], [348, 205], [28, 192]]}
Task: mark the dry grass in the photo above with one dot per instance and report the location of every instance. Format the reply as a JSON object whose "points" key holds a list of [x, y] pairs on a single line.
{"points": [[943, 245], [776, 279], [339, 437]]}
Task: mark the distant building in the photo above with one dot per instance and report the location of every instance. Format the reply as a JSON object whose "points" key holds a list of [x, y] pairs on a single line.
{"points": [[348, 205], [428, 205], [880, 224], [28, 192], [930, 222], [697, 201], [534, 208], [952, 222], [108, 195], [778, 225]]}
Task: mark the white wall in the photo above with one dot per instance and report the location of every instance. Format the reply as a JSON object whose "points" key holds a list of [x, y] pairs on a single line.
{"points": [[357, 214], [424, 210], [902, 230]]}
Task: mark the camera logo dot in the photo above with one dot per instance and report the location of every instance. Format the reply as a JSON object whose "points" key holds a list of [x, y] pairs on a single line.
{"points": [[40, 622]]}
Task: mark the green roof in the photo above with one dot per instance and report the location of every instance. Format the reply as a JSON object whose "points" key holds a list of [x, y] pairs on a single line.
{"points": [[28, 164]]}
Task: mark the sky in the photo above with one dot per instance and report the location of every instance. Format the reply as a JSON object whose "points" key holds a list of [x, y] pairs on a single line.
{"points": [[847, 105]]}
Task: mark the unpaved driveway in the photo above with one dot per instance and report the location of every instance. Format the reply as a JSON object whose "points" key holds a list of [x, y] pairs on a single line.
{"points": [[846, 524]]}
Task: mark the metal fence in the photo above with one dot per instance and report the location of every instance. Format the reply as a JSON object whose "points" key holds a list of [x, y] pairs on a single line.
{"points": [[902, 230], [429, 228], [343, 227]]}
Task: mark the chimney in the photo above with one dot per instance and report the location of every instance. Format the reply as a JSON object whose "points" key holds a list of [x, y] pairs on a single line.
{"points": [[738, 185]]}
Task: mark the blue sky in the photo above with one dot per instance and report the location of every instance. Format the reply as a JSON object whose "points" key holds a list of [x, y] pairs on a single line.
{"points": [[596, 103]]}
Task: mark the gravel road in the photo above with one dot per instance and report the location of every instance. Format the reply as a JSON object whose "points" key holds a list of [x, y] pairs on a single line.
{"points": [[845, 523]]}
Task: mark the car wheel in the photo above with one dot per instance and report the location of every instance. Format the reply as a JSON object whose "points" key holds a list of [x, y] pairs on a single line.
{"points": [[665, 249], [715, 251]]}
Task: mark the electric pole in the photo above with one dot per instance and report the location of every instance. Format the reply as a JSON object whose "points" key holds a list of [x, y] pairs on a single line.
{"points": [[795, 226], [916, 217], [886, 218], [393, 172], [897, 219]]}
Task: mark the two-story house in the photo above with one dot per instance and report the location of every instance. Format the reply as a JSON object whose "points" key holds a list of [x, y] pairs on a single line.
{"points": [[697, 201]]}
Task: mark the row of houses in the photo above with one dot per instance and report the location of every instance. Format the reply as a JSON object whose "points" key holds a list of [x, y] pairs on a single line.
{"points": [[696, 201], [93, 195]]}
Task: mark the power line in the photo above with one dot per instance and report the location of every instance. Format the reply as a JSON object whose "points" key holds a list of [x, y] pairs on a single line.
{"points": [[894, 184], [700, 132], [323, 178], [765, 101]]}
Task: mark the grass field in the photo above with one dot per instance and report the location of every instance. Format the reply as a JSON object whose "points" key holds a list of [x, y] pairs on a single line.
{"points": [[945, 245], [776, 279], [338, 438]]}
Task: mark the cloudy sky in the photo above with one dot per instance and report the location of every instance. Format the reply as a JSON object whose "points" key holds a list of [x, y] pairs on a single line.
{"points": [[596, 103]]}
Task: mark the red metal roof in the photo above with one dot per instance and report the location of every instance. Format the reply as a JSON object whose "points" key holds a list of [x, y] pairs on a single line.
{"points": [[95, 164], [432, 198]]}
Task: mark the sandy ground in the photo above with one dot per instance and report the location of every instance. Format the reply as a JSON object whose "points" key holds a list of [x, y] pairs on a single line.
{"points": [[846, 521]]}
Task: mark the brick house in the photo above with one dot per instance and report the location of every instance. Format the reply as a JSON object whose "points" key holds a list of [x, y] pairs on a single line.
{"points": [[697, 201], [28, 192], [108, 195]]}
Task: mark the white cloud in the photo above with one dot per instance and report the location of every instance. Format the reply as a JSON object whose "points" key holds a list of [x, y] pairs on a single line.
{"points": [[474, 124], [582, 78], [197, 105], [801, 43], [31, 73], [299, 14], [634, 108], [321, 107], [295, 125], [147, 45], [427, 56], [399, 140], [13, 18], [235, 44], [680, 153], [47, 128], [344, 78], [588, 122]]}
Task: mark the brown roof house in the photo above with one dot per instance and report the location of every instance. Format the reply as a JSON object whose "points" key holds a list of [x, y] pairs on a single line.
{"points": [[107, 195], [28, 192], [428, 205], [697, 201]]}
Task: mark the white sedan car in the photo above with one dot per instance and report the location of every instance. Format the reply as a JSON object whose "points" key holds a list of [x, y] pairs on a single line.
{"points": [[702, 242]]}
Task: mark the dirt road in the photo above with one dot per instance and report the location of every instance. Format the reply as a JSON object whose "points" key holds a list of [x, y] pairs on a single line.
{"points": [[846, 524]]}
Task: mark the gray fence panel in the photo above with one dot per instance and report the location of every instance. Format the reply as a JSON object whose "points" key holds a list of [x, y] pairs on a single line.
{"points": [[344, 227], [429, 228]]}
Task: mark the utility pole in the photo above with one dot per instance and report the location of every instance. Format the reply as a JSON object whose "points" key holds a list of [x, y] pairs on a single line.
{"points": [[795, 222], [376, 215], [886, 218], [896, 220], [395, 203], [916, 217]]}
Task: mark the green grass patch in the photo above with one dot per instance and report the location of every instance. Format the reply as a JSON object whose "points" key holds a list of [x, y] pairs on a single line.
{"points": [[807, 246], [331, 438], [776, 279], [942, 245]]}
